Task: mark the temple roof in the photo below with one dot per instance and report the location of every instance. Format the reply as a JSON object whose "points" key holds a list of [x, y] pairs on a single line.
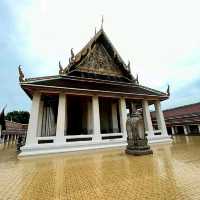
{"points": [[99, 57], [91, 86], [96, 69]]}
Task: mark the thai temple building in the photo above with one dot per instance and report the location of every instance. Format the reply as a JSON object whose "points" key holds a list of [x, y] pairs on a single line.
{"points": [[85, 105]]}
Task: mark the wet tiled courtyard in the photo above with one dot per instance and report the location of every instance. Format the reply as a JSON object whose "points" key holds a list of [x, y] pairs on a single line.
{"points": [[172, 172]]}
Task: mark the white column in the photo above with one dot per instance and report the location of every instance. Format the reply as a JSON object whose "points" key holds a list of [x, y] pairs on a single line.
{"points": [[96, 119], [0, 132], [40, 118], [123, 116], [31, 137], [114, 118], [185, 130], [173, 131], [176, 129], [147, 118], [188, 129], [61, 119], [160, 118], [199, 128]]}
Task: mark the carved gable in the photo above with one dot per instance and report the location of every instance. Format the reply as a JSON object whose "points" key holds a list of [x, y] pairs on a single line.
{"points": [[99, 61]]}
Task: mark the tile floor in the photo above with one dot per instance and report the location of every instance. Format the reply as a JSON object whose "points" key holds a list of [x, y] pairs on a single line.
{"points": [[172, 172]]}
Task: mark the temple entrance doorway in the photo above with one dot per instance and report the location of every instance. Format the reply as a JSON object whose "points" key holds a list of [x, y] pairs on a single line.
{"points": [[169, 130], [193, 129], [48, 117], [179, 130], [79, 115], [109, 115]]}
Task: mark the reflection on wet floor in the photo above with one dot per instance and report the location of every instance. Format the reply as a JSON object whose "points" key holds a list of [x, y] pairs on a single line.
{"points": [[172, 172]]}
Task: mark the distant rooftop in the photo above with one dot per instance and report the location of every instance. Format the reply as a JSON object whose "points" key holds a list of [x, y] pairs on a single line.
{"points": [[182, 110], [187, 114]]}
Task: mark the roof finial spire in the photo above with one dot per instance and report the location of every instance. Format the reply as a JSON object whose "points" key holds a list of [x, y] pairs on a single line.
{"points": [[102, 20], [95, 31]]}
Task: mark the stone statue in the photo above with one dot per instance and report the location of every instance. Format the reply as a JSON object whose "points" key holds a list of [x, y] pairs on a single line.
{"points": [[131, 126], [137, 144]]}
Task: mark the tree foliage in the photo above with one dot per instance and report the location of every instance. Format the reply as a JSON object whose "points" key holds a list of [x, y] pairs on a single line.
{"points": [[18, 116]]}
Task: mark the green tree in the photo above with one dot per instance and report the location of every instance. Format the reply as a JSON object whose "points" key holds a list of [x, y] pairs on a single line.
{"points": [[18, 116]]}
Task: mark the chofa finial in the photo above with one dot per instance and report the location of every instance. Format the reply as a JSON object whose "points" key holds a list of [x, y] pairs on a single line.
{"points": [[72, 58], [129, 66], [21, 74], [168, 90], [102, 21], [137, 81], [61, 70], [72, 54]]}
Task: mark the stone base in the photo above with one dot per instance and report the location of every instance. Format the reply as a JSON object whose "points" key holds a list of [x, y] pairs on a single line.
{"points": [[139, 147], [139, 152], [79, 146]]}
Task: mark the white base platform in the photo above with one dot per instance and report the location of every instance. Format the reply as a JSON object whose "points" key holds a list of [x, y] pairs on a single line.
{"points": [[68, 147], [39, 149], [159, 139]]}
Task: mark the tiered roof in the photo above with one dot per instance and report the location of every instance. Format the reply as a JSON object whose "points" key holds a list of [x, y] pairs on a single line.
{"points": [[96, 69]]}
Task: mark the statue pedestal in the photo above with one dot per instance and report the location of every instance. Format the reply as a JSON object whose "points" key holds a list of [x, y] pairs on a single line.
{"points": [[139, 148]]}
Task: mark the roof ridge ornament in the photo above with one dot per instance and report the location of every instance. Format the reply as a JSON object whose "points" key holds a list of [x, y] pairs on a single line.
{"points": [[72, 54], [72, 58], [137, 81], [168, 90], [129, 66], [21, 74], [61, 70]]}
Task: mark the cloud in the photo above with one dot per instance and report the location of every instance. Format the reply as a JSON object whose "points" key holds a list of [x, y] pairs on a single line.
{"points": [[160, 38]]}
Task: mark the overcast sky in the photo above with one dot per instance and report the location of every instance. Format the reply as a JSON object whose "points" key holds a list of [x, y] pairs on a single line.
{"points": [[160, 38]]}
